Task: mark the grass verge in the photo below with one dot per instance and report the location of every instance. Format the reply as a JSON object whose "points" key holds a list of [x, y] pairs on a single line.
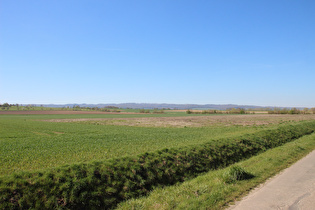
{"points": [[212, 191]]}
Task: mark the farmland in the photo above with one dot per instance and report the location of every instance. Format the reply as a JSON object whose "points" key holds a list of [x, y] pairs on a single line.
{"points": [[32, 142]]}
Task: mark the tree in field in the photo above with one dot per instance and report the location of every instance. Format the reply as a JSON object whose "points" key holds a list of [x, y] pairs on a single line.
{"points": [[294, 111], [305, 111], [313, 110], [6, 106], [277, 110], [76, 108]]}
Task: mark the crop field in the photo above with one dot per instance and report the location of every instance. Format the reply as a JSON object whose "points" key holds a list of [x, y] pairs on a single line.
{"points": [[39, 141], [31, 142]]}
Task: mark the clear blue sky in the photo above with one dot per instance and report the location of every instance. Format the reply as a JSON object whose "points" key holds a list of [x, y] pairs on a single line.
{"points": [[249, 52]]}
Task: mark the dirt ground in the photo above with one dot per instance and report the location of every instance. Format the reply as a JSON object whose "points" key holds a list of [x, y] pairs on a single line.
{"points": [[194, 121]]}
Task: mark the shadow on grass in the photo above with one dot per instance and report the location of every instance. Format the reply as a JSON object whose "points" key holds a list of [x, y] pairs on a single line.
{"points": [[236, 173]]}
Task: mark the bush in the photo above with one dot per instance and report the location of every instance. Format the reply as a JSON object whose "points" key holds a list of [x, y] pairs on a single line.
{"points": [[288, 111], [204, 112], [236, 111], [158, 111], [236, 173], [188, 111]]}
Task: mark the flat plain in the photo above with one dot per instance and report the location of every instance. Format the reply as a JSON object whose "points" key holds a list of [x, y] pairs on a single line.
{"points": [[45, 139], [85, 159]]}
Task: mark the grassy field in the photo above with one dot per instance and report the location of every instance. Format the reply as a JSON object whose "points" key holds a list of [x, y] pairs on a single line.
{"points": [[29, 143], [32, 142]]}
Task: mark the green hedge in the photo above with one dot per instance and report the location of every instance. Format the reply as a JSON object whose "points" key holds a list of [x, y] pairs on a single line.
{"points": [[104, 184]]}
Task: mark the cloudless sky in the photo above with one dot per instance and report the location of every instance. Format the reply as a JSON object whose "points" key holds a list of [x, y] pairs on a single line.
{"points": [[158, 51]]}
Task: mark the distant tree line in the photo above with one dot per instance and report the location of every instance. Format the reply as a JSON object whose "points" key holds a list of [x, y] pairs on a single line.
{"points": [[243, 111], [292, 111], [111, 107], [105, 109], [228, 111], [155, 111], [17, 107], [6, 106]]}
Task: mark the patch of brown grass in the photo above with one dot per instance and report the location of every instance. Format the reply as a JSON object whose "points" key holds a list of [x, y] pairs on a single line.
{"points": [[194, 121]]}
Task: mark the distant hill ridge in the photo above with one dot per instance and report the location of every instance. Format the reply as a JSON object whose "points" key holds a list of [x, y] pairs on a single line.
{"points": [[163, 106]]}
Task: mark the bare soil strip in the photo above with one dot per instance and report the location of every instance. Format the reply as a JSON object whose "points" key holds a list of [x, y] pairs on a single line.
{"points": [[194, 121]]}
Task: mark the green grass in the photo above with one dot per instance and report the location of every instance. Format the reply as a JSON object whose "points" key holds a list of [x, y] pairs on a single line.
{"points": [[212, 191], [30, 145], [27, 144], [104, 184]]}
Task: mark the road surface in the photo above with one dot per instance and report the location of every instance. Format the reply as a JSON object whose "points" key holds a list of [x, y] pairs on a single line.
{"points": [[292, 189]]}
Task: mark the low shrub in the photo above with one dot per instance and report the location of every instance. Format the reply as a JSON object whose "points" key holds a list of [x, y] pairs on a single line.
{"points": [[158, 111], [106, 183], [236, 173]]}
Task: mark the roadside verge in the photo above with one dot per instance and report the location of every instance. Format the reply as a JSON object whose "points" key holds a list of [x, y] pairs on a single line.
{"points": [[209, 191]]}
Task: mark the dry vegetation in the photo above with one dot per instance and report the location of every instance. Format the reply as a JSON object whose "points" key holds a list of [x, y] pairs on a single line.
{"points": [[194, 121]]}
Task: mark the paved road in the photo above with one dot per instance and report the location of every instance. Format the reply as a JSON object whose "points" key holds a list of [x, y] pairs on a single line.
{"points": [[292, 189]]}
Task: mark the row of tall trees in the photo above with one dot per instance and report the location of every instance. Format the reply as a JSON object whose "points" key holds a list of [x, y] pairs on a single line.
{"points": [[7, 106]]}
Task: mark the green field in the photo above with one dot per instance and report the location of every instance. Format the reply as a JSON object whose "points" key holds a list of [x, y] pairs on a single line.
{"points": [[28, 143], [64, 160]]}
